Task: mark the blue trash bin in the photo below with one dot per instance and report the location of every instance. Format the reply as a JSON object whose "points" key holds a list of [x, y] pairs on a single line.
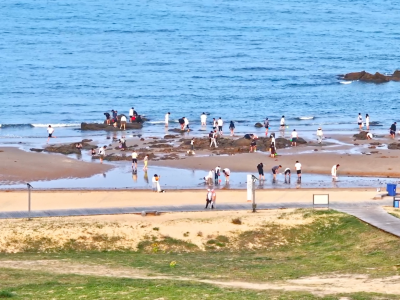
{"points": [[391, 189], [396, 203]]}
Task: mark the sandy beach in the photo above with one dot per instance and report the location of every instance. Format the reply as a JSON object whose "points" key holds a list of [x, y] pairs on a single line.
{"points": [[21, 166], [48, 200]]}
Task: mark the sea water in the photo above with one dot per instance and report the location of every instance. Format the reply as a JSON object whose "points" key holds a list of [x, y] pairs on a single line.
{"points": [[65, 62]]}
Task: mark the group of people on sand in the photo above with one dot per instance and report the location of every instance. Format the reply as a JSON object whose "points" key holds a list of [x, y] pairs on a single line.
{"points": [[214, 174]]}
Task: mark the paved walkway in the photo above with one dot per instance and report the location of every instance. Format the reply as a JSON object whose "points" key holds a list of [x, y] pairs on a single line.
{"points": [[368, 211]]}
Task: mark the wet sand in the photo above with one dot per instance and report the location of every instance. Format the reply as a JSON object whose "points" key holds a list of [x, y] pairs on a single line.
{"points": [[376, 165], [20, 166]]}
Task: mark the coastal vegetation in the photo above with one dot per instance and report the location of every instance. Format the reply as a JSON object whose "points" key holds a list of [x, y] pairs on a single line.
{"points": [[328, 245]]}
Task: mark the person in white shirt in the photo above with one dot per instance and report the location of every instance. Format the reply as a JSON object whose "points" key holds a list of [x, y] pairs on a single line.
{"points": [[192, 144], [203, 119], [360, 121], [209, 177], [167, 119], [186, 123], [102, 153], [134, 159], [334, 172], [320, 134], [297, 166], [131, 113], [369, 136], [227, 173], [220, 123], [283, 122], [367, 121], [50, 131], [123, 122], [294, 137]]}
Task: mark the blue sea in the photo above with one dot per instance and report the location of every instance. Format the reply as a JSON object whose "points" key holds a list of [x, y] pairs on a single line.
{"points": [[65, 62]]}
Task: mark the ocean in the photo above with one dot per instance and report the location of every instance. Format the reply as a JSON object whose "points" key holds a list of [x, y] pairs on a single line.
{"points": [[67, 62]]}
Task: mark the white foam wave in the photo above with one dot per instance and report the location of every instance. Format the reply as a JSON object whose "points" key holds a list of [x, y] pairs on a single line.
{"points": [[56, 125], [306, 118], [346, 82]]}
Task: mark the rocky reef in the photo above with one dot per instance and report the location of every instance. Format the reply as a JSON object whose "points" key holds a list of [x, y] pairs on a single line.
{"points": [[368, 77]]}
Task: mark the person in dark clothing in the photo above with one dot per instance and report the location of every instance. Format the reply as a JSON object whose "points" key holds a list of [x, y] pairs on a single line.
{"points": [[393, 130], [232, 128], [107, 118], [275, 170], [260, 168], [182, 123], [208, 198]]}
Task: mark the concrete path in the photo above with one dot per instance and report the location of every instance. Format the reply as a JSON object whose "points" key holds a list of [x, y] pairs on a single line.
{"points": [[375, 216]]}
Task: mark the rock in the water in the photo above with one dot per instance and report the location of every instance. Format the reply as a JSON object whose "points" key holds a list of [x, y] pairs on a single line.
{"points": [[361, 136], [170, 136], [258, 125], [394, 146], [36, 150], [98, 126], [375, 78]]}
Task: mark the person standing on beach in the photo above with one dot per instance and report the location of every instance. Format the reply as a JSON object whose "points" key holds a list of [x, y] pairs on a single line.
{"points": [[275, 171], [272, 138], [102, 153], [115, 116], [260, 169], [192, 144], [134, 160], [227, 173], [283, 123], [334, 172], [266, 125], [294, 137], [232, 128], [214, 124], [131, 113], [220, 124], [367, 121], [50, 131], [123, 122], [288, 174], [253, 146], [272, 150], [320, 134], [145, 161], [208, 198], [167, 119], [214, 139], [186, 123], [214, 199], [217, 173], [360, 121], [393, 130], [203, 119], [297, 166]]}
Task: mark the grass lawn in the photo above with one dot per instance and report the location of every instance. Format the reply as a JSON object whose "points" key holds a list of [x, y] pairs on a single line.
{"points": [[332, 243]]}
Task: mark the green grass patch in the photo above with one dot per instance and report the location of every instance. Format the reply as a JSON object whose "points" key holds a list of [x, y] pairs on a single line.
{"points": [[44, 286]]}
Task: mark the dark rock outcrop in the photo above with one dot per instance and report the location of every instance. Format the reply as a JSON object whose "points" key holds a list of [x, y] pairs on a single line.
{"points": [[104, 126], [394, 146], [241, 145], [36, 150], [258, 125], [68, 148], [375, 78], [361, 136]]}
